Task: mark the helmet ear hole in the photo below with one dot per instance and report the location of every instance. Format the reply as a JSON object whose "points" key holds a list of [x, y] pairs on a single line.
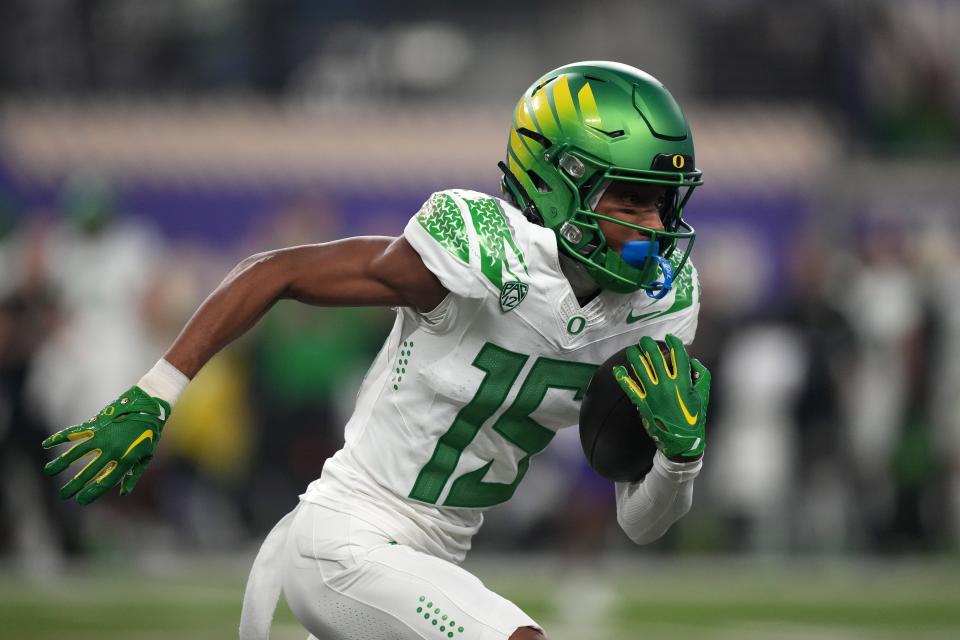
{"points": [[539, 182]]}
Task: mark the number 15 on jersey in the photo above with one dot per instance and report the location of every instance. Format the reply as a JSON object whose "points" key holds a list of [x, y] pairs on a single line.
{"points": [[501, 368]]}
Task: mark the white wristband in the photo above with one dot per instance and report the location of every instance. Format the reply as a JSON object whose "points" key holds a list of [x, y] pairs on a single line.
{"points": [[676, 471], [164, 381]]}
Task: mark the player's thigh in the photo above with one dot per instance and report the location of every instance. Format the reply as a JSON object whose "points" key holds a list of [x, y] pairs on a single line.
{"points": [[434, 597], [330, 615], [344, 581], [317, 553]]}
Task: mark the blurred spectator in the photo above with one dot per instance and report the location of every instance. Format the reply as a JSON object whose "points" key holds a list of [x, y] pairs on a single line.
{"points": [[101, 269], [33, 521], [760, 375], [101, 266], [810, 309], [942, 251], [884, 307]]}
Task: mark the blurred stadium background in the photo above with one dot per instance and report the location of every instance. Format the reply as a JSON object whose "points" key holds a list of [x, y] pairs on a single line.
{"points": [[146, 146]]}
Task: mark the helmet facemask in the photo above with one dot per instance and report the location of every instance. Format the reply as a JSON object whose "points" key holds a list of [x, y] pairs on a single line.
{"points": [[582, 238]]}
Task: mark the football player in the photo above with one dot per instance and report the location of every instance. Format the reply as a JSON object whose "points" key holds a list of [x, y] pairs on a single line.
{"points": [[504, 309]]}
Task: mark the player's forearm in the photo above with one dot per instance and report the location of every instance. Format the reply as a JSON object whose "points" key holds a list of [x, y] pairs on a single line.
{"points": [[647, 509], [337, 273], [246, 293]]}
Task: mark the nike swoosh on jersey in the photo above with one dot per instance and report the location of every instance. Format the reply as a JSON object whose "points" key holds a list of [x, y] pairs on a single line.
{"points": [[163, 413], [643, 316]]}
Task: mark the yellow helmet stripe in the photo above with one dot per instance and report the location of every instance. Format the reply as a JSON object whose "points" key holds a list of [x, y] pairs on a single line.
{"points": [[563, 102], [540, 107], [520, 150], [515, 167], [588, 107], [522, 116]]}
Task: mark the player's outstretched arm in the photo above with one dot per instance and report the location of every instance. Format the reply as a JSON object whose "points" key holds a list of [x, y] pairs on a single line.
{"points": [[366, 271], [120, 439]]}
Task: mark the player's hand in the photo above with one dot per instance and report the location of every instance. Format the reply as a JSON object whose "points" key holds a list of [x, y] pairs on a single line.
{"points": [[121, 439], [671, 393]]}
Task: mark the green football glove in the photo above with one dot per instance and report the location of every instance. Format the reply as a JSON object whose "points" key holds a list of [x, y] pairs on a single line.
{"points": [[670, 395], [122, 438]]}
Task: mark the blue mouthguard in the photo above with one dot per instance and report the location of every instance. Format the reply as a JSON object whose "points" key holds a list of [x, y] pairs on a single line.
{"points": [[636, 253]]}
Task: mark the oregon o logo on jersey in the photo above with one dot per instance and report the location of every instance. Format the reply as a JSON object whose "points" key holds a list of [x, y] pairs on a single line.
{"points": [[512, 294], [576, 325]]}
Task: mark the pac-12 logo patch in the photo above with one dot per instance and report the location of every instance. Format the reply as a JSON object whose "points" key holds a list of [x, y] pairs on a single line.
{"points": [[512, 294]]}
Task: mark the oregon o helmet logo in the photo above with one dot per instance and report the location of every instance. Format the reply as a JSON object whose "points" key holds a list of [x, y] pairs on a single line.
{"points": [[679, 161]]}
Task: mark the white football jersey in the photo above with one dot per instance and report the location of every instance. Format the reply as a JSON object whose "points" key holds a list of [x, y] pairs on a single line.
{"points": [[460, 399]]}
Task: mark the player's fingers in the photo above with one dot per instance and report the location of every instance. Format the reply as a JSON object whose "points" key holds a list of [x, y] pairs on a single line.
{"points": [[91, 492], [642, 366], [655, 360], [67, 435], [678, 357], [85, 475], [131, 477], [108, 477], [71, 455], [653, 352], [631, 387]]}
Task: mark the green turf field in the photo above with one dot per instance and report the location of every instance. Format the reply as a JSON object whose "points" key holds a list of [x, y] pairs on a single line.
{"points": [[602, 600]]}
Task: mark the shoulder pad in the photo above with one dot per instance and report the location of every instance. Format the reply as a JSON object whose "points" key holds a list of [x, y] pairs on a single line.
{"points": [[441, 217], [474, 228], [497, 247]]}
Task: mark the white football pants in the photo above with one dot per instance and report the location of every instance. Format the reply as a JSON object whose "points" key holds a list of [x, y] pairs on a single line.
{"points": [[344, 579]]}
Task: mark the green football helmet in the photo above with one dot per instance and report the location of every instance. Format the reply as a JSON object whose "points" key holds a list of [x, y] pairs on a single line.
{"points": [[577, 129]]}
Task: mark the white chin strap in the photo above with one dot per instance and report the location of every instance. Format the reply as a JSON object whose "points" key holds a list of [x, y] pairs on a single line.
{"points": [[595, 198]]}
